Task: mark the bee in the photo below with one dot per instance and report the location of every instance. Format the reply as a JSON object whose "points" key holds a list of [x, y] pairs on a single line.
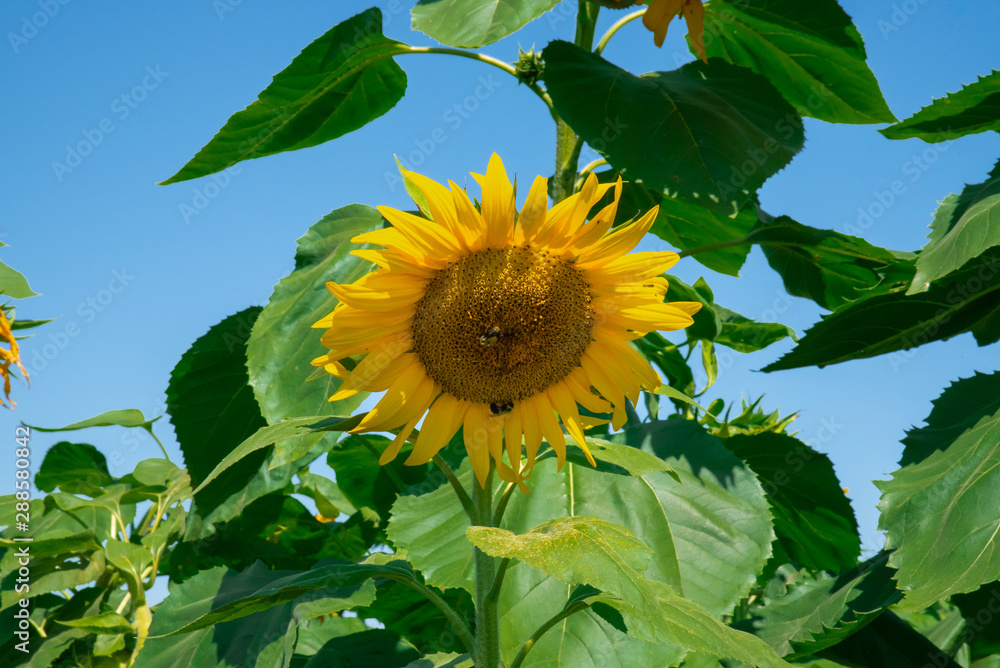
{"points": [[489, 337], [501, 407]]}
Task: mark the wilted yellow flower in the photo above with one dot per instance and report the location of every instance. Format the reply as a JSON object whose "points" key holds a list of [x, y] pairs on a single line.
{"points": [[9, 356], [661, 12], [499, 322]]}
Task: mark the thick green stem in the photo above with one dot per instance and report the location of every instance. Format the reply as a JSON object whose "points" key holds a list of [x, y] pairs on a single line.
{"points": [[487, 652], [568, 145]]}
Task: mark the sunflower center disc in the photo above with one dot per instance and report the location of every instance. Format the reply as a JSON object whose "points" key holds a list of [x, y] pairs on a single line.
{"points": [[501, 325]]}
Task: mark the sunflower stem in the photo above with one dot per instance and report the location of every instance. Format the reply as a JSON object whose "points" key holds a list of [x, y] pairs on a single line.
{"points": [[489, 60], [568, 145], [463, 496], [618, 25], [487, 651], [502, 504]]}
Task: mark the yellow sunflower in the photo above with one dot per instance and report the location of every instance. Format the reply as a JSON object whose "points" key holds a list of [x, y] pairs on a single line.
{"points": [[496, 322]]}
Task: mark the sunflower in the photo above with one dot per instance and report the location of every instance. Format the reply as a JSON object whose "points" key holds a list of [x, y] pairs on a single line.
{"points": [[496, 322]]}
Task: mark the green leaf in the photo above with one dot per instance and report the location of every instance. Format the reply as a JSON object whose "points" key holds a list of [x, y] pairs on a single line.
{"points": [[372, 648], [431, 528], [275, 529], [986, 640], [586, 550], [55, 573], [283, 343], [265, 637], [828, 267], [131, 560], [577, 550], [975, 108], [129, 417], [885, 323], [614, 458], [719, 497], [666, 356], [957, 410], [471, 24], [342, 81], [262, 438], [351, 583], [745, 335], [822, 610], [964, 226], [673, 393], [77, 468], [813, 519], [213, 409], [812, 53], [889, 641], [942, 516], [366, 484], [691, 226], [330, 501], [417, 620], [442, 661], [105, 623], [13, 284], [709, 134]]}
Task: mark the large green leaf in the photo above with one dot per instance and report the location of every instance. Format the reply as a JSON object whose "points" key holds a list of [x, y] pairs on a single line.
{"points": [[474, 23], [963, 227], [828, 267], [715, 526], [710, 133], [821, 610], [283, 343], [77, 468], [589, 551], [212, 408], [967, 301], [942, 515], [256, 614], [957, 410], [975, 108], [811, 52], [813, 519], [340, 82]]}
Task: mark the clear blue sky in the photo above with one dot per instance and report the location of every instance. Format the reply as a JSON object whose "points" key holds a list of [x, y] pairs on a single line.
{"points": [[133, 281]]}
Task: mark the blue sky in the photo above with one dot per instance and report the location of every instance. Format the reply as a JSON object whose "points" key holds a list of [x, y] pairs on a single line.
{"points": [[133, 276]]}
